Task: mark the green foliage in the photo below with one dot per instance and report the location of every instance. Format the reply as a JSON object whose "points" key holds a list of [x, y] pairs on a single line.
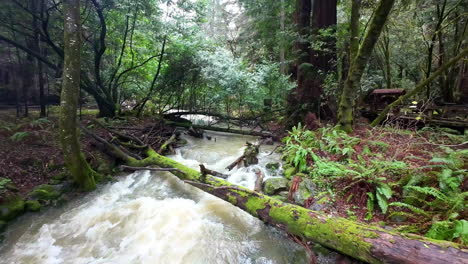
{"points": [[40, 123], [449, 230], [3, 184], [19, 136], [301, 148]]}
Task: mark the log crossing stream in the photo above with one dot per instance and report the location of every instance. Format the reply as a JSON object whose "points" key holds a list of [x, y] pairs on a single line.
{"points": [[155, 218]]}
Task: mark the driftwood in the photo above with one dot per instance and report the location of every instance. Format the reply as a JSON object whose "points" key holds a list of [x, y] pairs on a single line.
{"points": [[235, 163], [259, 181], [364, 242], [206, 171], [195, 132], [167, 144]]}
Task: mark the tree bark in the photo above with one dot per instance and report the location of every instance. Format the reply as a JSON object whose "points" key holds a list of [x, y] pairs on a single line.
{"points": [[82, 173], [353, 80], [354, 29], [420, 86]]}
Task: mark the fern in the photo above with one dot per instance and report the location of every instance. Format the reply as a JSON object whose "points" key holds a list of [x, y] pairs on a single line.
{"points": [[3, 184], [19, 136], [449, 230], [414, 209]]}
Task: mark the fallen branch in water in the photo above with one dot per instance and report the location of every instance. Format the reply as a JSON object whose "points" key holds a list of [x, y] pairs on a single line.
{"points": [[235, 163], [206, 171], [149, 168]]}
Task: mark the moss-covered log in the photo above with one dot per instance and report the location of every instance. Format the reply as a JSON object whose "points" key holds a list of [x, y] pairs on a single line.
{"points": [[220, 129], [364, 242]]}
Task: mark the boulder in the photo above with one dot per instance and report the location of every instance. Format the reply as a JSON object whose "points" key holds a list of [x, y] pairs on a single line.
{"points": [[275, 185], [273, 168], [33, 206], [306, 189], [10, 209], [45, 192]]}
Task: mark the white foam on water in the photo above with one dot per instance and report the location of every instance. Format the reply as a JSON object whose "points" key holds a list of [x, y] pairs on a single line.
{"points": [[145, 218]]}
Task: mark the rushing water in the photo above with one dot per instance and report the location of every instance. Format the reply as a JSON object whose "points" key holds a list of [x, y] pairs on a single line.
{"points": [[155, 218]]}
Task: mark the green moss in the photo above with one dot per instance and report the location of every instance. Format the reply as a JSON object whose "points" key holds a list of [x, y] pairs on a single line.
{"points": [[44, 192], [275, 185], [254, 204], [289, 172], [337, 233], [33, 206], [232, 199], [13, 207]]}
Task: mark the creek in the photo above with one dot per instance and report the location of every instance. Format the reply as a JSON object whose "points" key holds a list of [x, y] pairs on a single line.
{"points": [[155, 218]]}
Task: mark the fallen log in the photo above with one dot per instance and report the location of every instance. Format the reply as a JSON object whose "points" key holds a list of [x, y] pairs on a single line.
{"points": [[364, 242], [220, 129], [361, 241], [149, 168]]}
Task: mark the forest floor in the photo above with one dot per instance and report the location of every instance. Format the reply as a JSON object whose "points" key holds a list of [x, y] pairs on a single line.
{"points": [[31, 156], [405, 180]]}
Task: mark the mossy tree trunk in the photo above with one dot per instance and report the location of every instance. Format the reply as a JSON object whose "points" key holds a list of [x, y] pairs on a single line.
{"points": [[420, 87], [82, 173], [354, 29], [359, 63]]}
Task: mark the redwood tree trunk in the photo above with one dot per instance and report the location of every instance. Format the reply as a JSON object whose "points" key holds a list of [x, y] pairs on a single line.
{"points": [[312, 65]]}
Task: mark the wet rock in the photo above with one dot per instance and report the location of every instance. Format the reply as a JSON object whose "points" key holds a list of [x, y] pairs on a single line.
{"points": [[250, 155], [268, 141], [273, 168], [275, 185], [33, 206], [3, 225], [45, 192], [322, 203], [306, 189], [13, 207]]}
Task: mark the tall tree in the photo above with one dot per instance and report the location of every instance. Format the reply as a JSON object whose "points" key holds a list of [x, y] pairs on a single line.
{"points": [[353, 80], [82, 173], [312, 64]]}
